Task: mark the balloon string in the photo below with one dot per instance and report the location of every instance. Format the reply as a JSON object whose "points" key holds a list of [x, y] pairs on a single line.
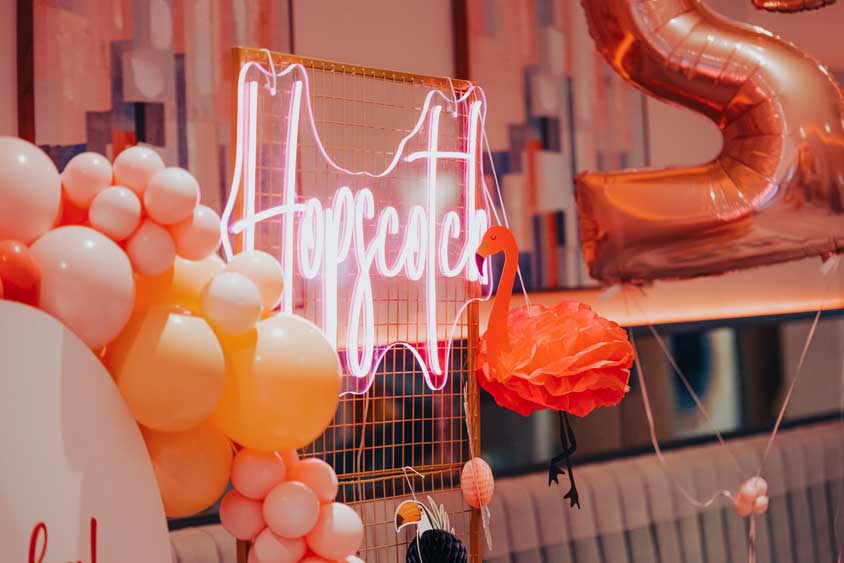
{"points": [[655, 442], [809, 338], [679, 372]]}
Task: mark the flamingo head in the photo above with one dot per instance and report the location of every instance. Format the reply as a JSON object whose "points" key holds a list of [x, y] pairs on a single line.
{"points": [[496, 239]]}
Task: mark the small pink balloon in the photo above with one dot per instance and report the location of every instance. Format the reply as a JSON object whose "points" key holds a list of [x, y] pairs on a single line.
{"points": [[318, 476], [760, 485], [338, 533], [30, 191], [231, 303], [86, 282], [151, 249], [291, 509], [199, 235], [115, 212], [171, 195], [761, 505], [270, 548], [85, 176], [262, 269], [242, 517], [135, 166], [255, 473]]}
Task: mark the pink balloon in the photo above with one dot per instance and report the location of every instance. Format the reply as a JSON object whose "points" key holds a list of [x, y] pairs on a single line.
{"points": [[338, 533], [86, 282], [199, 235], [115, 212], [242, 517], [255, 473], [30, 191], [291, 509], [262, 269], [171, 195], [151, 249], [318, 476], [85, 176], [135, 166], [231, 303], [270, 548]]}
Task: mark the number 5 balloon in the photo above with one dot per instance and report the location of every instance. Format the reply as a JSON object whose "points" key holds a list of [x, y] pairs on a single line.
{"points": [[776, 190]]}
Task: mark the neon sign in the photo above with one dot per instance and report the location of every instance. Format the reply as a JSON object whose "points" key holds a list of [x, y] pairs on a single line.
{"points": [[348, 240]]}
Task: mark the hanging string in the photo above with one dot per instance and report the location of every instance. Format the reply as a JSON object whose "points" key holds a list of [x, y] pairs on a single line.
{"points": [[272, 87], [830, 266], [485, 513]]}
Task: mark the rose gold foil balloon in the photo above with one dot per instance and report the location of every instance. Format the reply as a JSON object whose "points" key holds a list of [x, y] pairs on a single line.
{"points": [[776, 190], [791, 5]]}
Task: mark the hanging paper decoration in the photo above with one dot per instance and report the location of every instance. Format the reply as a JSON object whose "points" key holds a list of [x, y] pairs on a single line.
{"points": [[565, 357], [435, 539], [773, 192]]}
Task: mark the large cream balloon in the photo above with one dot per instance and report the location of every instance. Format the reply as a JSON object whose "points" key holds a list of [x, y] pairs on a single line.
{"points": [[71, 453], [86, 282], [283, 385], [30, 191]]}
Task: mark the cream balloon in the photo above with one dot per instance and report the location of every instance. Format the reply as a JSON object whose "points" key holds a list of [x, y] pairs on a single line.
{"points": [[262, 269], [232, 303], [71, 452], [283, 385], [135, 166], [151, 249], [338, 532], [86, 175], [86, 282], [171, 195], [199, 235], [115, 212], [169, 368], [30, 191]]}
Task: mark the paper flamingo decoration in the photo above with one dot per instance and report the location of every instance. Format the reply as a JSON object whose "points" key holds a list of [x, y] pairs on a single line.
{"points": [[564, 357]]}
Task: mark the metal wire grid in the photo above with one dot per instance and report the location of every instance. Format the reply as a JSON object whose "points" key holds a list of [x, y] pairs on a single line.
{"points": [[361, 115]]}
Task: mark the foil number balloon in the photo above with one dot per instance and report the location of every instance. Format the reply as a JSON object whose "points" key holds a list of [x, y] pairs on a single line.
{"points": [[776, 190]]}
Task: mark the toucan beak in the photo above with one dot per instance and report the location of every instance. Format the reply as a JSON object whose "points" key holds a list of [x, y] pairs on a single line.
{"points": [[479, 261], [407, 513]]}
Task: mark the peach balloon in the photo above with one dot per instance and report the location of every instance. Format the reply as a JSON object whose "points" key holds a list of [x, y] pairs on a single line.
{"points": [[30, 191], [199, 235], [290, 458], [241, 517], [477, 483], [180, 286], [316, 475], [192, 467], [232, 303], [171, 195], [19, 272], [115, 212], [86, 175], [270, 548], [169, 368], [262, 269], [283, 385], [338, 533], [255, 473], [291, 509], [151, 249], [86, 283], [135, 166]]}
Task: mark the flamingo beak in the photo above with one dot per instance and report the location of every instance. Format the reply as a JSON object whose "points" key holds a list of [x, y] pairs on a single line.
{"points": [[479, 261]]}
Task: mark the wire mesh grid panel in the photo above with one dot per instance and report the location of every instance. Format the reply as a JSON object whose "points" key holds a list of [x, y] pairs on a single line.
{"points": [[366, 184]]}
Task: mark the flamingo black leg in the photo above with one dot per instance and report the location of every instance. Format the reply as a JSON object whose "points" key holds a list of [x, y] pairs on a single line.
{"points": [[569, 444]]}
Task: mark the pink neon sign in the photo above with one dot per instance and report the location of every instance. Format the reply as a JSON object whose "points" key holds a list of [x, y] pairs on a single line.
{"points": [[347, 242]]}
